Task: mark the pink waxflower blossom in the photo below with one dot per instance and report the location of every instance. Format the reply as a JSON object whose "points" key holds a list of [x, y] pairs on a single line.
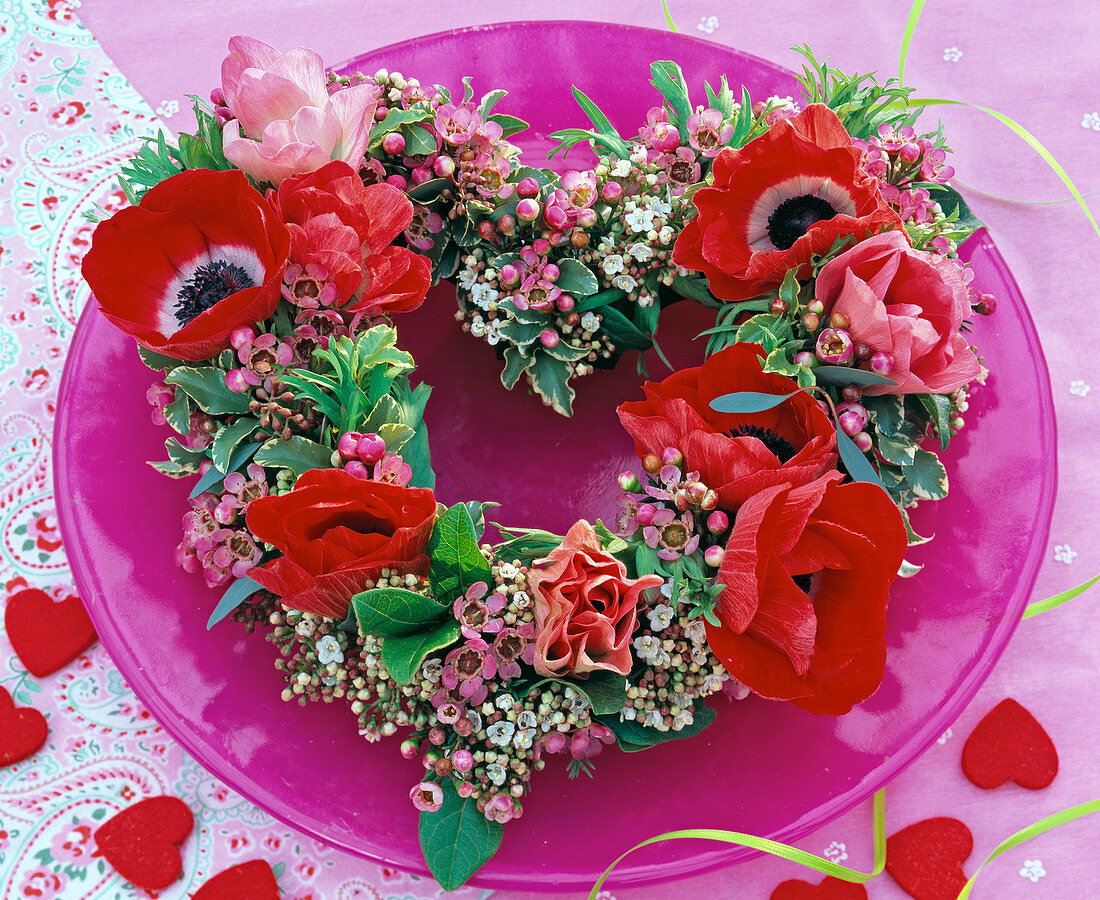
{"points": [[706, 133], [285, 121], [392, 469], [457, 124]]}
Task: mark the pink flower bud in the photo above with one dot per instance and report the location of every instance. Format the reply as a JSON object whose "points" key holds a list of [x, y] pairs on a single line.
{"points": [[671, 456], [712, 556], [709, 501], [529, 187], [444, 166], [410, 749], [862, 440], [586, 218], [357, 469], [437, 736], [347, 444], [486, 230], [717, 522], [506, 224], [850, 423], [566, 302], [393, 143], [611, 191], [549, 338], [852, 393], [816, 307], [909, 153], [527, 210], [839, 320], [465, 789], [645, 514], [629, 482], [509, 275], [541, 246], [556, 217], [370, 448], [665, 138], [398, 181], [834, 347], [805, 359], [420, 174], [550, 272], [986, 306], [882, 363], [858, 410], [463, 760]]}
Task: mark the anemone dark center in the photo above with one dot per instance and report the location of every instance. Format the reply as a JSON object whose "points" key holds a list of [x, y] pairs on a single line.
{"points": [[780, 446], [793, 218], [208, 285], [803, 582]]}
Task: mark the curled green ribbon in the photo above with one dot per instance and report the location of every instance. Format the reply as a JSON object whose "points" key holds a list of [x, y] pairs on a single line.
{"points": [[1041, 606], [907, 36], [765, 845], [668, 18]]}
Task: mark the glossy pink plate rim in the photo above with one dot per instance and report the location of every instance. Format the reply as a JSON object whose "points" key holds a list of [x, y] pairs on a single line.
{"points": [[762, 768]]}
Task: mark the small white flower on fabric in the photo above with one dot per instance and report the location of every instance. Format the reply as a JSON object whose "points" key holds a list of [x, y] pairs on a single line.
{"points": [[707, 24], [1078, 388], [836, 852], [590, 321], [945, 737], [167, 108], [501, 733], [952, 54], [526, 720], [647, 647], [432, 669], [497, 773], [329, 650], [612, 264], [467, 278], [507, 571], [524, 739], [624, 282], [483, 295], [579, 704], [1033, 870], [1063, 554], [640, 251], [1091, 120], [639, 219], [505, 701], [621, 169], [666, 234], [477, 326], [660, 617], [492, 332]]}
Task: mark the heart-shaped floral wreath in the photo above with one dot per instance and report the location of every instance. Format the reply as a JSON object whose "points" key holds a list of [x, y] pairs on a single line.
{"points": [[259, 267]]}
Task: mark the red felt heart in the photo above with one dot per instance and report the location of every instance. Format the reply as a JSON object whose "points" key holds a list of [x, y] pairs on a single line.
{"points": [[926, 858], [47, 634], [252, 880], [142, 842], [829, 889], [1009, 744], [22, 731]]}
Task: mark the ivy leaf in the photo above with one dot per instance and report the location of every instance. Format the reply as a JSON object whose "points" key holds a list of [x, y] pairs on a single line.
{"points": [[887, 412], [632, 735], [788, 290], [178, 414], [897, 449], [298, 454], [238, 592], [395, 612], [157, 361], [926, 476], [418, 142], [213, 475], [515, 364], [939, 409], [576, 278], [402, 656], [550, 380], [182, 461], [510, 124], [843, 375], [206, 386], [748, 402], [229, 436], [456, 560], [457, 839]]}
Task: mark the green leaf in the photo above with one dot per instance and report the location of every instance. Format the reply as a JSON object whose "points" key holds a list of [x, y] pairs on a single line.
{"points": [[843, 375], [396, 435], [641, 737], [456, 560], [951, 201], [182, 461], [227, 440], [178, 413], [913, 538], [668, 78], [788, 290], [402, 656], [395, 612], [550, 380], [526, 544], [926, 476], [157, 361], [887, 412], [418, 141], [214, 475], [595, 115], [606, 691], [576, 278], [457, 840], [595, 301], [778, 362], [206, 386], [939, 410], [515, 364], [646, 561], [857, 465], [238, 592], [298, 454], [896, 449], [749, 402], [522, 334], [624, 334], [485, 108], [395, 118], [510, 124], [697, 288]]}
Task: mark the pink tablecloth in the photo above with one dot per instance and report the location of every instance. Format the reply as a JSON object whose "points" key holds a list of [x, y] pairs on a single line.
{"points": [[72, 103]]}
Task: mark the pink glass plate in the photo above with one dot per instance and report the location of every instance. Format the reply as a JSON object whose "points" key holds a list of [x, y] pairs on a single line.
{"points": [[763, 768]]}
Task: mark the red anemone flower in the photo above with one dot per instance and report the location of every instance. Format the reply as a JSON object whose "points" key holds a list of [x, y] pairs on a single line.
{"points": [[202, 254], [807, 574], [736, 455], [777, 201]]}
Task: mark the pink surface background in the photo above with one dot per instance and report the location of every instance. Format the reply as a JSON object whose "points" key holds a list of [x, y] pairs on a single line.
{"points": [[104, 749]]}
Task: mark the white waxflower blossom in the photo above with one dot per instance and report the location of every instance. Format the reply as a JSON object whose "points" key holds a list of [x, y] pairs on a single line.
{"points": [[628, 714], [475, 719], [477, 326], [526, 720], [621, 169], [507, 571], [524, 739], [666, 234], [612, 263], [646, 647], [483, 295], [497, 773], [624, 282], [606, 245], [639, 154], [696, 631], [305, 627], [505, 701], [329, 650], [659, 206], [654, 720], [579, 704], [684, 719], [521, 600], [713, 682], [660, 616], [492, 332], [699, 655], [590, 321], [640, 251], [370, 733], [500, 733], [639, 219], [432, 669]]}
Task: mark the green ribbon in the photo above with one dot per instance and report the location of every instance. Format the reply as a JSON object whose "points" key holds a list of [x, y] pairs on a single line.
{"points": [[907, 36], [775, 848], [1041, 606], [1037, 828], [668, 17]]}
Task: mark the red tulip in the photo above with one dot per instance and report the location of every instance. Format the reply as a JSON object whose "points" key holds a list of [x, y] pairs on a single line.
{"points": [[202, 254]]}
